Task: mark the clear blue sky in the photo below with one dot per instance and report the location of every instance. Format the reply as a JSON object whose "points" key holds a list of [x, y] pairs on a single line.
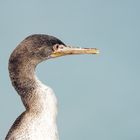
{"points": [[99, 96]]}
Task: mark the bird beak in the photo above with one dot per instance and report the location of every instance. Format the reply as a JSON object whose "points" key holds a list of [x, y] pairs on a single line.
{"points": [[61, 50]]}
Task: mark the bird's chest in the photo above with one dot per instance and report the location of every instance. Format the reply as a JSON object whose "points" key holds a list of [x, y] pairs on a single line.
{"points": [[40, 129]]}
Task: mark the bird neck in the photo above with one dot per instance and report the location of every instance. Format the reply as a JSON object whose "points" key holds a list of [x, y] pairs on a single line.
{"points": [[36, 97], [22, 75]]}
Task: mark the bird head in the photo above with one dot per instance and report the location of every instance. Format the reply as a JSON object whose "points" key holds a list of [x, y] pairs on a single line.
{"points": [[45, 47], [39, 47]]}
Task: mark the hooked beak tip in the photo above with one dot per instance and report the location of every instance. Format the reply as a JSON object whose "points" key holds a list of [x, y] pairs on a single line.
{"points": [[97, 51]]}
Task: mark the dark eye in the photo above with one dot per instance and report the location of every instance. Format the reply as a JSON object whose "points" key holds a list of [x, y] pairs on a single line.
{"points": [[55, 47]]}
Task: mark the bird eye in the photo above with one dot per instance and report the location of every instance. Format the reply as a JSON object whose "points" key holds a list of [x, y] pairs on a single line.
{"points": [[56, 47]]}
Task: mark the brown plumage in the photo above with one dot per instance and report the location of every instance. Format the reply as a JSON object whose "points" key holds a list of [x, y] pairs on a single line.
{"points": [[38, 122]]}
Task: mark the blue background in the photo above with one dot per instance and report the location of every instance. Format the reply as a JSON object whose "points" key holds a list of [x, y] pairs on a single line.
{"points": [[99, 96]]}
